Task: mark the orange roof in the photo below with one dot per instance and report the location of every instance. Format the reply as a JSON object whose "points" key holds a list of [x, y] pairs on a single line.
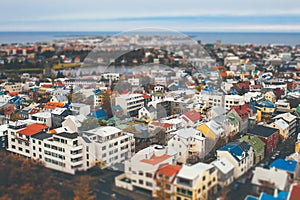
{"points": [[169, 170], [53, 131], [156, 159], [13, 93], [164, 125], [33, 129]]}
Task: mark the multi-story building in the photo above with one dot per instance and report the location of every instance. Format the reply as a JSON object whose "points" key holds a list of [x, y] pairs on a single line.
{"points": [[240, 154], [140, 169], [3, 137], [291, 120], [43, 118], [233, 100], [109, 145], [225, 171], [130, 103], [270, 136], [188, 143], [198, 181]]}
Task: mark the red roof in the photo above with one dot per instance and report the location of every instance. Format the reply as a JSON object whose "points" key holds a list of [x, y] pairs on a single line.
{"points": [[256, 86], [243, 111], [164, 125], [295, 192], [33, 129], [169, 170], [156, 159], [146, 96], [193, 115]]}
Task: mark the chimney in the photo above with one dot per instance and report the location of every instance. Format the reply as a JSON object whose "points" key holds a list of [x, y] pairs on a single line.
{"points": [[276, 193]]}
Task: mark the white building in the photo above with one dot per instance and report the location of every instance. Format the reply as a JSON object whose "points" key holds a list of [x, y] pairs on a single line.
{"points": [[188, 143], [233, 100], [141, 167], [225, 171], [130, 103], [290, 119], [109, 145], [240, 154], [43, 118], [80, 109], [74, 122], [134, 81]]}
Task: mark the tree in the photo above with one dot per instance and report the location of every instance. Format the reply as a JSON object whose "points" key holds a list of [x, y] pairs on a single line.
{"points": [[89, 124], [83, 191], [106, 105]]}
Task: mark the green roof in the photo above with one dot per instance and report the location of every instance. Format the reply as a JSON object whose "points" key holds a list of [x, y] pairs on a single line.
{"points": [[254, 141], [298, 109]]}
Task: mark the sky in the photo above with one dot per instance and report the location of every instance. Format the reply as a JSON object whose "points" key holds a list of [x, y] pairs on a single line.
{"points": [[122, 15]]}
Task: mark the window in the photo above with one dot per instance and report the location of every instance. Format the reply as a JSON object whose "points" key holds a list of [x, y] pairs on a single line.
{"points": [[141, 182], [27, 151], [34, 154], [141, 173], [203, 178], [87, 164], [40, 149], [87, 156], [12, 139], [103, 148], [19, 141], [33, 141], [40, 142], [148, 175], [40, 156], [148, 184], [13, 146], [203, 188], [20, 149]]}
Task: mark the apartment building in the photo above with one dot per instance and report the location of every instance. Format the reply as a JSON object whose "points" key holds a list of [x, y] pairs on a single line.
{"points": [[130, 103], [233, 100]]}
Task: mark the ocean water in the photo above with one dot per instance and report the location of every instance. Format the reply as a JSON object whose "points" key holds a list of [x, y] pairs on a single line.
{"points": [[291, 39]]}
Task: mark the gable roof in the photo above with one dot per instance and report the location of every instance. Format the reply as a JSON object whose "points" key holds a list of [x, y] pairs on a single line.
{"points": [[243, 111], [169, 170], [239, 150], [254, 141], [281, 123], [223, 165], [192, 115]]}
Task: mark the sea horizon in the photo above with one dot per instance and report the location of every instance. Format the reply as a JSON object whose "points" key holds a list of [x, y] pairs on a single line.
{"points": [[258, 38]]}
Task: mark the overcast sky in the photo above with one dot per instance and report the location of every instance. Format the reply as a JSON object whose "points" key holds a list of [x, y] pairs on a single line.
{"points": [[181, 15]]}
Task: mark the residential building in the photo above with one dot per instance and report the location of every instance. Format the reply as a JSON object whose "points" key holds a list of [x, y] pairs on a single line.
{"points": [[3, 137], [198, 181], [283, 128], [270, 136], [140, 168], [225, 171], [58, 115], [43, 118], [268, 180], [80, 109], [191, 119], [294, 192], [74, 122], [242, 113], [165, 178], [240, 154], [258, 147], [290, 166], [291, 120], [188, 143], [130, 103], [233, 100]]}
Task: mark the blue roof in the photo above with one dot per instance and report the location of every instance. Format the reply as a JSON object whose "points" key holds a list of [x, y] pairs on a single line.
{"points": [[281, 196], [286, 165], [100, 114], [236, 149], [248, 197]]}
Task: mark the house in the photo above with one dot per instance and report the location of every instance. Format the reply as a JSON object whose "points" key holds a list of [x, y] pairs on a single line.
{"points": [[216, 111], [267, 180], [74, 122], [191, 118], [289, 166], [188, 143], [59, 98], [165, 178], [270, 96], [141, 167], [155, 126], [291, 120], [43, 118], [80, 109], [258, 146], [225, 171], [198, 181], [270, 136], [240, 154], [283, 128], [242, 114], [58, 116], [148, 112]]}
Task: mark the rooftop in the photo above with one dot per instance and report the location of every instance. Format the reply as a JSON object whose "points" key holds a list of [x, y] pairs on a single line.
{"points": [[33, 129], [68, 135], [286, 165], [263, 131], [169, 170]]}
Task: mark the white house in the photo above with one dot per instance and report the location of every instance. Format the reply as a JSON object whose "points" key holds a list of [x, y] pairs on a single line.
{"points": [[43, 118], [140, 169], [148, 112], [233, 100], [191, 118], [240, 154], [188, 143], [225, 171], [290, 119], [80, 109], [73, 122]]}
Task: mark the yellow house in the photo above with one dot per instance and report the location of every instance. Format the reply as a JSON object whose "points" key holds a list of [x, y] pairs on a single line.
{"points": [[297, 147], [270, 96], [264, 114], [283, 128], [207, 132], [198, 181]]}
